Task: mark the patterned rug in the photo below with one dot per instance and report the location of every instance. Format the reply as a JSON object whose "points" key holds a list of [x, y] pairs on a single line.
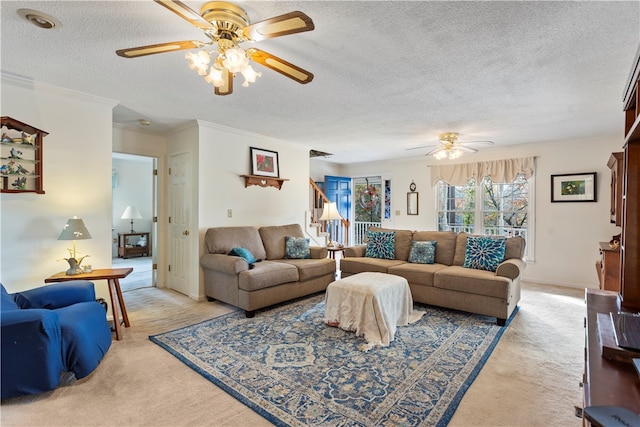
{"points": [[292, 369]]}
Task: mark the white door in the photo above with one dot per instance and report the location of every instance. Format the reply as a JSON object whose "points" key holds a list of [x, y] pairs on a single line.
{"points": [[179, 222]]}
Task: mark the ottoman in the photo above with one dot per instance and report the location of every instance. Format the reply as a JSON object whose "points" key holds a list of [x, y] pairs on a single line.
{"points": [[371, 305]]}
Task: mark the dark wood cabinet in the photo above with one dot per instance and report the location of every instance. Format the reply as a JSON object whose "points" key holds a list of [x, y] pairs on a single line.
{"points": [[616, 164], [606, 382], [130, 244], [609, 267], [630, 236]]}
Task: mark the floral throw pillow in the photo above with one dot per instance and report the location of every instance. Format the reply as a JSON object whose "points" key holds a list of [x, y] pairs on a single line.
{"points": [[381, 244], [484, 252], [296, 248], [423, 252]]}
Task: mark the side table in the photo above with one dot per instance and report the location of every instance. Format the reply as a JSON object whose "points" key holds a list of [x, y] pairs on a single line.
{"points": [[332, 251], [112, 276]]}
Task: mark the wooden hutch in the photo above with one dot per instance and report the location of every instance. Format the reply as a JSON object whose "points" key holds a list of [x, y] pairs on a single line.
{"points": [[609, 381]]}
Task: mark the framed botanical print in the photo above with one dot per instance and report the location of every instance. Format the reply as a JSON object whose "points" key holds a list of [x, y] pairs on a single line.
{"points": [[264, 163], [574, 187]]}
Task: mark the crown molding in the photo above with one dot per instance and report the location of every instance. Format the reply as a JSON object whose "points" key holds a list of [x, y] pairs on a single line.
{"points": [[27, 83]]}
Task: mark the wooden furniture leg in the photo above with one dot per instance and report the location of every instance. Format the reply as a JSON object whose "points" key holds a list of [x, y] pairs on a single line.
{"points": [[114, 309], [123, 308]]}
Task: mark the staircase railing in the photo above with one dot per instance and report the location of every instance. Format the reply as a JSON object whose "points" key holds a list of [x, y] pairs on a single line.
{"points": [[317, 199]]}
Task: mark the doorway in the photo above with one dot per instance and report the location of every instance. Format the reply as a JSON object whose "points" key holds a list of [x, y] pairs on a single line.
{"points": [[134, 189]]}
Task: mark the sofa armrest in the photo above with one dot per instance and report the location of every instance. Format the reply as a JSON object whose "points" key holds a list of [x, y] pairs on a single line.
{"points": [[56, 295], [355, 251], [510, 268], [224, 263], [31, 355], [318, 252]]}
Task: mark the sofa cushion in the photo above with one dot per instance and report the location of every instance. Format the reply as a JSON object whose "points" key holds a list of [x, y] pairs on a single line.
{"points": [[423, 252], [296, 248], [312, 268], [484, 252], [7, 302], [354, 265], [220, 240], [403, 241], [273, 238], [515, 247], [267, 274], [381, 244], [468, 280], [446, 244], [416, 274]]}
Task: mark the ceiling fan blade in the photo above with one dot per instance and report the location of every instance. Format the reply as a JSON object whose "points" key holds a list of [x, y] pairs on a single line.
{"points": [[419, 148], [280, 65], [289, 23], [479, 142], [467, 149], [134, 52], [186, 13], [227, 87], [434, 151]]}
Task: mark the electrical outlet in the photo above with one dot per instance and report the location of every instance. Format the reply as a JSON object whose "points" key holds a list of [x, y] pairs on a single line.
{"points": [[229, 213]]}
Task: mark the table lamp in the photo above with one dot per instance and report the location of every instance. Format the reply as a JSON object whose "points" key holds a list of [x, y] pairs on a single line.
{"points": [[74, 230], [329, 213], [131, 213]]}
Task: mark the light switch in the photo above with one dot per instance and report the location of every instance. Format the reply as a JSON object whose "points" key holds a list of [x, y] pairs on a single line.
{"points": [[229, 213]]}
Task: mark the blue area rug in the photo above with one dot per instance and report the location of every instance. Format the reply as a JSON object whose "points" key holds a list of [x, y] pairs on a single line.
{"points": [[292, 369]]}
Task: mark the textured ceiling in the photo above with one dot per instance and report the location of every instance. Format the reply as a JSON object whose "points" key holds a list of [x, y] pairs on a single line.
{"points": [[389, 76]]}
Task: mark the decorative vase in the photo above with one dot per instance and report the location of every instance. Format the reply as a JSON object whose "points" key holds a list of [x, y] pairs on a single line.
{"points": [[74, 266]]}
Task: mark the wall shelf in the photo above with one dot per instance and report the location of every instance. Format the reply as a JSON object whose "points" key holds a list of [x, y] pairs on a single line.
{"points": [[20, 157], [263, 181]]}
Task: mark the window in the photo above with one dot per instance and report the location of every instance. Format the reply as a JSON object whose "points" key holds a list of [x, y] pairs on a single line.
{"points": [[501, 209]]}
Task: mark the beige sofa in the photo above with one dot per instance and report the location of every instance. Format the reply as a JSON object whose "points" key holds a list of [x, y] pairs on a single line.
{"points": [[272, 280], [446, 283]]}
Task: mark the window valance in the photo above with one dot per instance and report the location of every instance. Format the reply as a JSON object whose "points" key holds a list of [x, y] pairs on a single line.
{"points": [[506, 170]]}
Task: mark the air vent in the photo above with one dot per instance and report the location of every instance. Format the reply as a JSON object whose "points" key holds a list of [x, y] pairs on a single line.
{"points": [[316, 153]]}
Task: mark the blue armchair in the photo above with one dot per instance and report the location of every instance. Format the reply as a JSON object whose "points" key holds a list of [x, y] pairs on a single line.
{"points": [[48, 330]]}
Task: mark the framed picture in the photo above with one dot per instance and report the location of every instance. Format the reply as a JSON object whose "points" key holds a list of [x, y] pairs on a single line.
{"points": [[264, 163], [574, 187]]}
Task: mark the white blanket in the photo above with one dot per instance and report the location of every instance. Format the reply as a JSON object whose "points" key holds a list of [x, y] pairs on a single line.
{"points": [[372, 305]]}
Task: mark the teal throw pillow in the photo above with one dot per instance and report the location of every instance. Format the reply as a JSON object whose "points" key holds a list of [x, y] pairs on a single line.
{"points": [[423, 252], [296, 248], [485, 252], [381, 244], [244, 253]]}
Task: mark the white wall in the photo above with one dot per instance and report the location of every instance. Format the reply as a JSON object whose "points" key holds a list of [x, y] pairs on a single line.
{"points": [[76, 180], [567, 234]]}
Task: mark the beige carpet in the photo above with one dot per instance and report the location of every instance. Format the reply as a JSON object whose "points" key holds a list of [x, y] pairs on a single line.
{"points": [[531, 379]]}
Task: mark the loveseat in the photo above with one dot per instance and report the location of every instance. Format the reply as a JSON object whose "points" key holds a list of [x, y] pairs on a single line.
{"points": [[446, 282], [253, 268], [48, 330]]}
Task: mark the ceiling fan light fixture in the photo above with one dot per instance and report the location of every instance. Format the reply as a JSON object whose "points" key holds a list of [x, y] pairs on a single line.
{"points": [[199, 62], [215, 76], [250, 75], [235, 59]]}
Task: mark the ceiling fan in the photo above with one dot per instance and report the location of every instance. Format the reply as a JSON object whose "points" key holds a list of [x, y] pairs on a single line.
{"points": [[227, 25], [450, 147]]}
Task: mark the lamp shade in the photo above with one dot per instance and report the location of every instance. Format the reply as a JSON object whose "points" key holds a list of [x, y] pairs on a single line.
{"points": [[330, 212], [74, 229], [131, 213]]}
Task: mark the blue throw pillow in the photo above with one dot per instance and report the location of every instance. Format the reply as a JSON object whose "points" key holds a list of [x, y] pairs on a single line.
{"points": [[296, 248], [423, 252], [381, 244], [244, 253], [484, 253]]}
